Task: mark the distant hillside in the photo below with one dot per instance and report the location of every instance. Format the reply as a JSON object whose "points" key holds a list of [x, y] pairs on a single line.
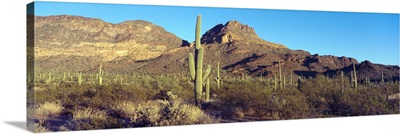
{"points": [[80, 44], [67, 38]]}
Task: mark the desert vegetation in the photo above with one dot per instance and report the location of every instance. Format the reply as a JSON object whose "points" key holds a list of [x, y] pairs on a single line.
{"points": [[85, 100], [77, 101]]}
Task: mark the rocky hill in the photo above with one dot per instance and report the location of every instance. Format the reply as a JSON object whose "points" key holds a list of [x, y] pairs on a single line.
{"points": [[240, 51], [80, 44]]}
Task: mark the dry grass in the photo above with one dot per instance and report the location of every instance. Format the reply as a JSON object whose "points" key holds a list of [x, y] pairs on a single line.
{"points": [[89, 113], [185, 114], [162, 113], [126, 108], [151, 110], [37, 128], [47, 110]]}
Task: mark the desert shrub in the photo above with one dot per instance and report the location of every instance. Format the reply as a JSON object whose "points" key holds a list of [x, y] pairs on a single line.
{"points": [[314, 90], [161, 113], [47, 110], [327, 99], [257, 99], [290, 105], [89, 113], [369, 102], [37, 128], [179, 113], [90, 119]]}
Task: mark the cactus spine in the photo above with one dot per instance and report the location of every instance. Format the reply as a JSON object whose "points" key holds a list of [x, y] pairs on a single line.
{"points": [[196, 65]]}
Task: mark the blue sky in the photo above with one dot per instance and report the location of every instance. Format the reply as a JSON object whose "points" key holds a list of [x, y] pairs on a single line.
{"points": [[364, 36]]}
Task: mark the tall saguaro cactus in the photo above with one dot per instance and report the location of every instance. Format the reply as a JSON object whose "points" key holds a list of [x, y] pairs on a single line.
{"points": [[355, 76], [275, 82], [284, 83], [101, 74], [218, 79], [299, 84], [196, 65], [280, 75], [382, 80], [341, 81]]}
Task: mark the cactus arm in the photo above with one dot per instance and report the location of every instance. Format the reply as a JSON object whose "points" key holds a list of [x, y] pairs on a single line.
{"points": [[206, 73], [191, 66]]}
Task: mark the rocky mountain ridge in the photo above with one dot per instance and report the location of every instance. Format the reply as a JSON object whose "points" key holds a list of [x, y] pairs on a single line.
{"points": [[79, 44]]}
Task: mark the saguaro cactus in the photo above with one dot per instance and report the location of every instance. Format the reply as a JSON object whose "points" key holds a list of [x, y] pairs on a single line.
{"points": [[280, 75], [208, 90], [341, 81], [100, 74], [351, 79], [80, 78], [299, 83], [284, 82], [355, 76], [382, 80], [218, 79], [196, 65], [275, 82], [291, 77]]}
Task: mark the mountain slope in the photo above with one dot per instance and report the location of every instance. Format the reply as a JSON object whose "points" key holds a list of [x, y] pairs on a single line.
{"points": [[80, 44], [98, 41], [240, 51]]}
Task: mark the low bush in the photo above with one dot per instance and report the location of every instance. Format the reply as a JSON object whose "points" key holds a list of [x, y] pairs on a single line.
{"points": [[161, 113], [47, 110]]}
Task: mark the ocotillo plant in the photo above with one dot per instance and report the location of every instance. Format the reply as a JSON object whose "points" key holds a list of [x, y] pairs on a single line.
{"points": [[196, 72]]}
